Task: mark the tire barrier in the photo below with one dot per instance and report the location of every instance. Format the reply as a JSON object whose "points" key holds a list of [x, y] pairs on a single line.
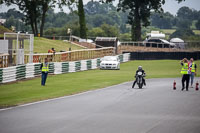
{"points": [[77, 66], [72, 67], [58, 68], [9, 74], [121, 58], [30, 70], [98, 62], [89, 64], [83, 65], [94, 64], [37, 70], [65, 67], [1, 75], [20, 72], [126, 57]]}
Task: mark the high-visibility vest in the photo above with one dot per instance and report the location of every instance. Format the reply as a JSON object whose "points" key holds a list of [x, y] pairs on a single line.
{"points": [[45, 68], [184, 69], [193, 67]]}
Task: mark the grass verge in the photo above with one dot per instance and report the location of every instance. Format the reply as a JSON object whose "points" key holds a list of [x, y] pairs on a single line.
{"points": [[72, 83], [42, 45]]}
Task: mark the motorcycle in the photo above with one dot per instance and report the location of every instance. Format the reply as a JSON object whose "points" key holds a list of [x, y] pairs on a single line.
{"points": [[139, 79]]}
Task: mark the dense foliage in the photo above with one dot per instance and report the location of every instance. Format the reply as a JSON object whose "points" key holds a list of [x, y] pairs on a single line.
{"points": [[82, 23], [34, 12], [99, 15]]}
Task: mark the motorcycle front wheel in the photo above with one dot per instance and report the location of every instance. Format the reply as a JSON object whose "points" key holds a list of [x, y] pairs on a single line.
{"points": [[140, 86]]}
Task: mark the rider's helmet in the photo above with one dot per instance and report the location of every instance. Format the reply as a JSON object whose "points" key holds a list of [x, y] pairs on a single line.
{"points": [[139, 67]]}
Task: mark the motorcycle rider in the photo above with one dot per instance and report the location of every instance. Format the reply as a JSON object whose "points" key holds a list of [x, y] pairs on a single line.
{"points": [[143, 75]]}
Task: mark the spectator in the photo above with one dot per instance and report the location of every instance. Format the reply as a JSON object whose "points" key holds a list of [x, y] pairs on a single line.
{"points": [[185, 72], [193, 69], [45, 69]]}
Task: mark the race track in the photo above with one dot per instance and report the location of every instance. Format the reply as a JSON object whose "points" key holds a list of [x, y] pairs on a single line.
{"points": [[117, 109]]}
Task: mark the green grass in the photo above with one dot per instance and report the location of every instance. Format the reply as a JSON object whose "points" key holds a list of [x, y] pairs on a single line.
{"points": [[2, 30], [42, 45], [72, 83], [170, 31], [197, 32]]}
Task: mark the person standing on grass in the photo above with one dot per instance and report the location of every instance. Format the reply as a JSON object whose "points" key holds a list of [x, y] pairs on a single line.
{"points": [[186, 73], [193, 68], [45, 69]]}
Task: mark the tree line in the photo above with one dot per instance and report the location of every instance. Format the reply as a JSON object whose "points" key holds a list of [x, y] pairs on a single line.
{"points": [[35, 11], [104, 19]]}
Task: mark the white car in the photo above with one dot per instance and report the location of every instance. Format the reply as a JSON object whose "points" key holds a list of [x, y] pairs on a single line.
{"points": [[110, 62]]}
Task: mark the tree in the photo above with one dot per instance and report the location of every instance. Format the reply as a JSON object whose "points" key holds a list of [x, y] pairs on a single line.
{"points": [[10, 22], [198, 24], [104, 30], [45, 6], [12, 12], [114, 16], [139, 13], [125, 37], [162, 20], [81, 13], [182, 33], [94, 32], [82, 23], [60, 19], [183, 23], [94, 7], [30, 10], [110, 31], [99, 19], [185, 13], [35, 11], [74, 26]]}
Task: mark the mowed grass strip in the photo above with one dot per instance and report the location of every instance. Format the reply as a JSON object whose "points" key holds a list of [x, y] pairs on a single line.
{"points": [[42, 45], [72, 83]]}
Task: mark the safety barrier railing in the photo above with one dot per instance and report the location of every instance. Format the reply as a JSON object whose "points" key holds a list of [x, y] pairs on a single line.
{"points": [[150, 46], [3, 60], [6, 60], [183, 46], [147, 44], [71, 55]]}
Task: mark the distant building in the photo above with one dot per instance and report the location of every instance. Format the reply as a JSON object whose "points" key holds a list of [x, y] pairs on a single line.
{"points": [[106, 42], [2, 21]]}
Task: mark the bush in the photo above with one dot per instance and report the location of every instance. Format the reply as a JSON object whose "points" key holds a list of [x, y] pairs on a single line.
{"points": [[182, 33], [125, 37]]}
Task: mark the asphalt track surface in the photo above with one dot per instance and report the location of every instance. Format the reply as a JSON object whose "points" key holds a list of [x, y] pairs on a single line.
{"points": [[117, 109]]}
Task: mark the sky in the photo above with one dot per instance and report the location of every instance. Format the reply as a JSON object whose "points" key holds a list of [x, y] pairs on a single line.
{"points": [[170, 5]]}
